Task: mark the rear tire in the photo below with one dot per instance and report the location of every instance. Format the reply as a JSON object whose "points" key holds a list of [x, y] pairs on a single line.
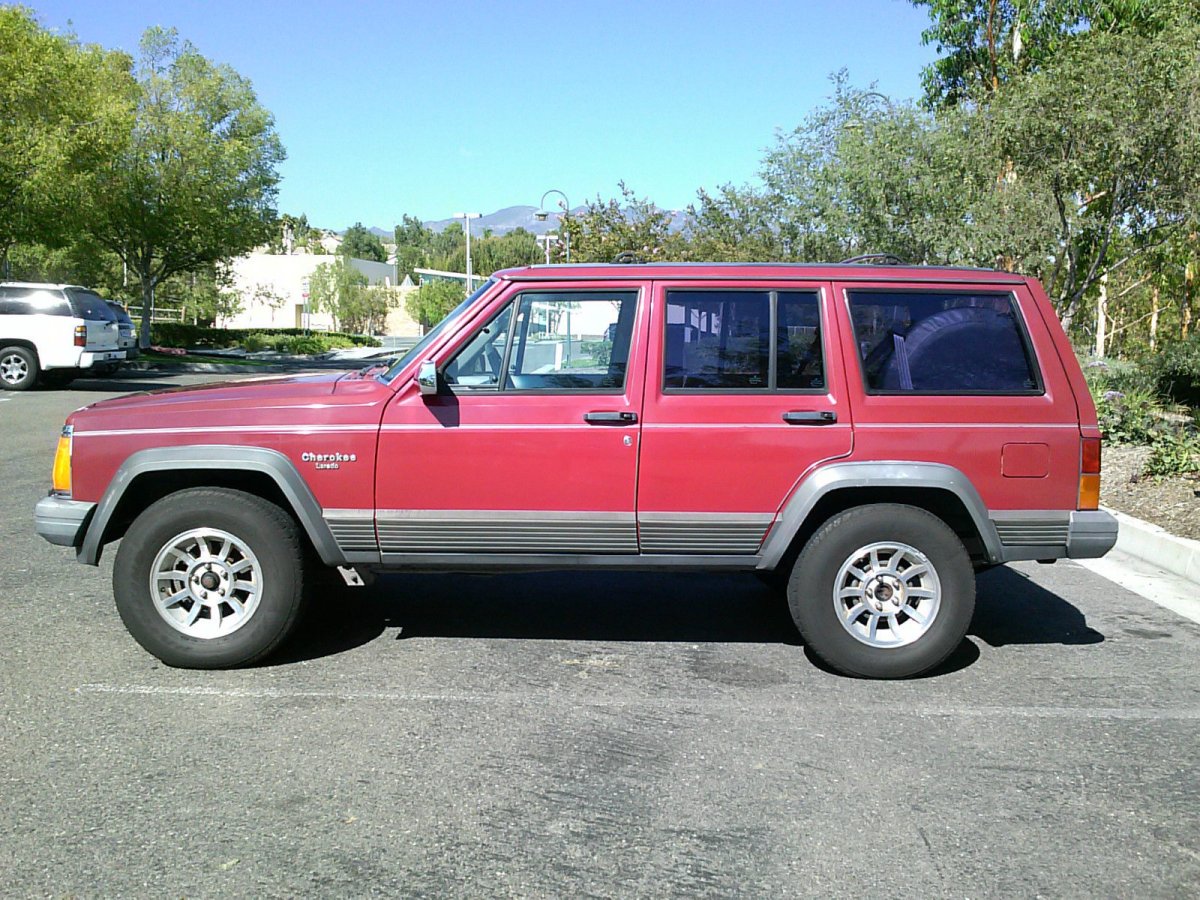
{"points": [[210, 578], [18, 368], [883, 591]]}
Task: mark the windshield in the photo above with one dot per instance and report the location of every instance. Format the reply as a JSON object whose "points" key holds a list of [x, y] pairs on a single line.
{"points": [[441, 326]]}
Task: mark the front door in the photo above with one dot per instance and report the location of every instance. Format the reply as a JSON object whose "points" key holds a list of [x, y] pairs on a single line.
{"points": [[531, 445], [743, 399]]}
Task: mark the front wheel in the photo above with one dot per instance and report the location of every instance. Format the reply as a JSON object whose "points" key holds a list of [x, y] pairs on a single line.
{"points": [[883, 591], [210, 578]]}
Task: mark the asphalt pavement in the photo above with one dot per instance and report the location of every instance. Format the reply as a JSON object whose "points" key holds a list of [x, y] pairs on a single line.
{"points": [[560, 734]]}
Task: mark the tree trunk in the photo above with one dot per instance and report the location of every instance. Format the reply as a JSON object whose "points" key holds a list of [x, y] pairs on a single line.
{"points": [[147, 311], [1154, 306], [1185, 303], [1101, 316]]}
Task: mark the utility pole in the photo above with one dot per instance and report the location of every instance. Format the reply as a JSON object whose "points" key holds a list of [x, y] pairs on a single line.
{"points": [[467, 217]]}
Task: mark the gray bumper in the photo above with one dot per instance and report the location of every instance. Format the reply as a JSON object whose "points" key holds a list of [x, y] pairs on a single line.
{"points": [[1091, 534], [62, 521]]}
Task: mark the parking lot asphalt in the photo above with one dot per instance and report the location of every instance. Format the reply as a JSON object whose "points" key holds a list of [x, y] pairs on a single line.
{"points": [[559, 734]]}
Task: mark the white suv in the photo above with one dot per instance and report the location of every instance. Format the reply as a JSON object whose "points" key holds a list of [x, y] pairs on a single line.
{"points": [[52, 333]]}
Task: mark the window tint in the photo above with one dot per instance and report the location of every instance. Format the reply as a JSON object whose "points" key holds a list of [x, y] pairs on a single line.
{"points": [[89, 305], [935, 342], [571, 340], [32, 301], [723, 340]]}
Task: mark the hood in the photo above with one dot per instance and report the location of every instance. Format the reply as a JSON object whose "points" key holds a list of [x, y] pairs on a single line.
{"points": [[288, 390]]}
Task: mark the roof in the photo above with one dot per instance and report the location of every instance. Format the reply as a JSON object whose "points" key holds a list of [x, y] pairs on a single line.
{"points": [[44, 285], [715, 271]]}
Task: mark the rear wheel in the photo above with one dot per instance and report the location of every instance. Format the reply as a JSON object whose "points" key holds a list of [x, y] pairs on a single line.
{"points": [[18, 368], [210, 578], [883, 591]]}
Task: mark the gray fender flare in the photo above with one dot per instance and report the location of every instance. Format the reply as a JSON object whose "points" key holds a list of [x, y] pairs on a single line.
{"points": [[222, 457], [898, 474]]}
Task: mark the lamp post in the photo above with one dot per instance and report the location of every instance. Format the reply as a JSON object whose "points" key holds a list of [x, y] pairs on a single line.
{"points": [[467, 217], [541, 215]]}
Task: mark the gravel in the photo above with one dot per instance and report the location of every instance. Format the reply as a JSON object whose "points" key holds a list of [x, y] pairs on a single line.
{"points": [[1171, 503]]}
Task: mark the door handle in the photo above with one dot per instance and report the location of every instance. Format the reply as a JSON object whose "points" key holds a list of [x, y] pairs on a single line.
{"points": [[610, 418], [810, 417]]}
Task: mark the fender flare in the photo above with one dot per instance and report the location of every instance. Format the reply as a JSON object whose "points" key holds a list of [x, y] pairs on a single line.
{"points": [[221, 457], [889, 474]]}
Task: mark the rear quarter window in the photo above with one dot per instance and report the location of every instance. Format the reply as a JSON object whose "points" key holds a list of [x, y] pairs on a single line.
{"points": [[942, 342]]}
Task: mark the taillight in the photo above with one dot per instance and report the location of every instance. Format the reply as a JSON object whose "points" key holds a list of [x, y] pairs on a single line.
{"points": [[1089, 473], [80, 335], [61, 477]]}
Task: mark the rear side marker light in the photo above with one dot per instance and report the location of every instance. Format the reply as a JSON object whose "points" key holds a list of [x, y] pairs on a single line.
{"points": [[80, 335], [1089, 473]]}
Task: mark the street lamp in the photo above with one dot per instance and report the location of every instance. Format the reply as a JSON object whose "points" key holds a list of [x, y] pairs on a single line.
{"points": [[467, 217], [541, 215]]}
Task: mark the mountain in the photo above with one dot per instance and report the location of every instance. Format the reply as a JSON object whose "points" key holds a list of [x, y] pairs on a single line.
{"points": [[511, 218]]}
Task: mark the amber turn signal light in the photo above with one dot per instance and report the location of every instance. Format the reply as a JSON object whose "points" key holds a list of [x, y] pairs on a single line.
{"points": [[80, 335], [61, 477], [1089, 473]]}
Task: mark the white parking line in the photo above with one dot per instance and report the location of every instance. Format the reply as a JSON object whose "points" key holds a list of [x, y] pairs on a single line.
{"points": [[970, 712]]}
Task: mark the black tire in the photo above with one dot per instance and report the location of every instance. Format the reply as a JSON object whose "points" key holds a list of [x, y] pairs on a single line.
{"points": [[18, 368], [835, 544], [271, 537]]}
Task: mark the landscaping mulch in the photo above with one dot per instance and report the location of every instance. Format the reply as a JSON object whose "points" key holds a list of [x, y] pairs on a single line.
{"points": [[1171, 503]]}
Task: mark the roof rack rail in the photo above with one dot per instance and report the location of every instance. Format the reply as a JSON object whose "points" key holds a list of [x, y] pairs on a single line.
{"points": [[888, 259], [626, 258]]}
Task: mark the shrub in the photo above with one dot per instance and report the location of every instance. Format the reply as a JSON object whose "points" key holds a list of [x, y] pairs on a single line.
{"points": [[1176, 371], [283, 340], [1130, 417], [1174, 452]]}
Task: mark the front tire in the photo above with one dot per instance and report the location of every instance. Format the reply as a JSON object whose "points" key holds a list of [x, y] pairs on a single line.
{"points": [[18, 368], [210, 578], [883, 591]]}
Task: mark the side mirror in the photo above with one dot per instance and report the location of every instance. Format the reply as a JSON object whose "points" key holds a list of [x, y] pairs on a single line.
{"points": [[427, 378]]}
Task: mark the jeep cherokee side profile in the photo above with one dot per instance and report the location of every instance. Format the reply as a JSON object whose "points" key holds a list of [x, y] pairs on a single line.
{"points": [[868, 436]]}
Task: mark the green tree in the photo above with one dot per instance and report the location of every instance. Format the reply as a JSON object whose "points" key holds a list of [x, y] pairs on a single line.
{"points": [[430, 303], [360, 242], [196, 181], [346, 294], [62, 112], [606, 228]]}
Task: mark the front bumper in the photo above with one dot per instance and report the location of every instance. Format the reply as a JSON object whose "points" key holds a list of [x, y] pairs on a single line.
{"points": [[1091, 534], [62, 521]]}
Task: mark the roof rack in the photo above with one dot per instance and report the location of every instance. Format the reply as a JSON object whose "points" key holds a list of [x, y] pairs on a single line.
{"points": [[626, 258], [888, 259]]}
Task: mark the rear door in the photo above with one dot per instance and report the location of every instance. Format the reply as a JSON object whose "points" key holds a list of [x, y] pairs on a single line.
{"points": [[531, 445], [743, 399]]}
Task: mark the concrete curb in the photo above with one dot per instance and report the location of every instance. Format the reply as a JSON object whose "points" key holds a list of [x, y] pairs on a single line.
{"points": [[1177, 555]]}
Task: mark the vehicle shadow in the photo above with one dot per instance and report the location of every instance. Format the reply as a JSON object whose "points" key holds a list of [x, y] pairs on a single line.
{"points": [[117, 384], [1010, 608], [637, 606]]}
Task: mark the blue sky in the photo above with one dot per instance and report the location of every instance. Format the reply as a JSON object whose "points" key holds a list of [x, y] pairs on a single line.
{"points": [[430, 108]]}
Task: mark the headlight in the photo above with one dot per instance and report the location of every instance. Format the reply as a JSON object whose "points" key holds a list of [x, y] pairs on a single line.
{"points": [[61, 477]]}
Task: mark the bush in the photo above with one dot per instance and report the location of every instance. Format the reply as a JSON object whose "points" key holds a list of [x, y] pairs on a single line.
{"points": [[1132, 417], [1175, 452], [1176, 371], [281, 340]]}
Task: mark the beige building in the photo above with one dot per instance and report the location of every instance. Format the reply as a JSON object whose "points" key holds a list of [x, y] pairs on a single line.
{"points": [[274, 292]]}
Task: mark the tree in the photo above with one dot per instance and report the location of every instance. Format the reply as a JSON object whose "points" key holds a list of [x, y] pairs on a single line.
{"points": [[430, 303], [361, 243], [196, 181], [346, 294], [62, 110], [606, 228]]}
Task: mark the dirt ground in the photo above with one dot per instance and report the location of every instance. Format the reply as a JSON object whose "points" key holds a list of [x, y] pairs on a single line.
{"points": [[1172, 503]]}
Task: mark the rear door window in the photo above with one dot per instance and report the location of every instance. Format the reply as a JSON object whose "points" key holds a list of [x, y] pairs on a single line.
{"points": [[24, 301], [734, 341], [942, 342]]}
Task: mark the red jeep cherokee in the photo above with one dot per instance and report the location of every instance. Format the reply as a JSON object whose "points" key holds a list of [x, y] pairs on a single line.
{"points": [[867, 436]]}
